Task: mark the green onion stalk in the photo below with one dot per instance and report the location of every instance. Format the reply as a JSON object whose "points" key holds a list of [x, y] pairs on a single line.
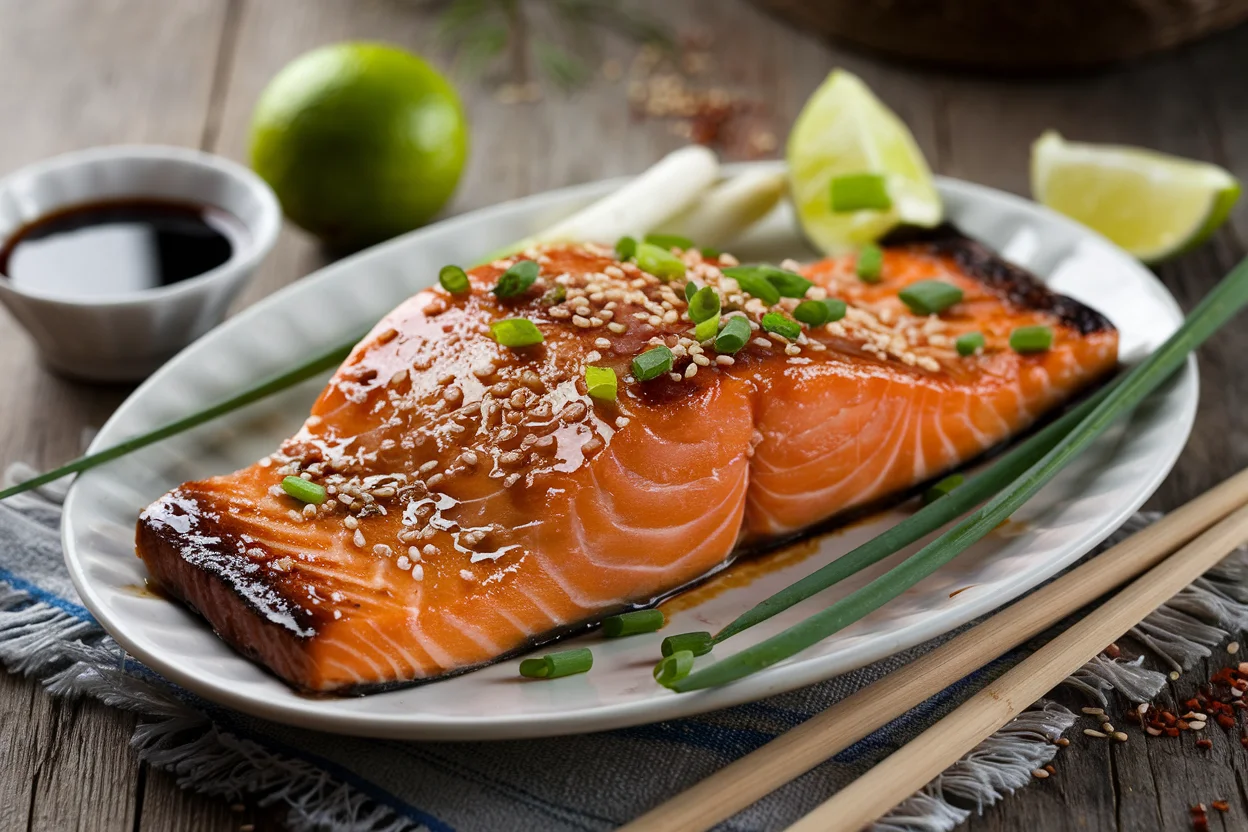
{"points": [[1218, 307]]}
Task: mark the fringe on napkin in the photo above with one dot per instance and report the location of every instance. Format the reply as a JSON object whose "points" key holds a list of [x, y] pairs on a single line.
{"points": [[1180, 632]]}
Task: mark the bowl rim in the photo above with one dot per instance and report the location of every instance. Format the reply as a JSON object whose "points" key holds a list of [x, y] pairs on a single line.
{"points": [[262, 230]]}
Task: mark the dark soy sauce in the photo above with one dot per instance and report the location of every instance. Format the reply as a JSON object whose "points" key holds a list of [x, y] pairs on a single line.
{"points": [[119, 246]]}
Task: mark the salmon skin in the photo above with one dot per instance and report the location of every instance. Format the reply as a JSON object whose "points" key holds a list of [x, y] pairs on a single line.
{"points": [[479, 501]]}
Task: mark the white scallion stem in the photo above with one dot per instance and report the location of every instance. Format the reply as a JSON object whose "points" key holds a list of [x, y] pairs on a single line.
{"points": [[729, 208]]}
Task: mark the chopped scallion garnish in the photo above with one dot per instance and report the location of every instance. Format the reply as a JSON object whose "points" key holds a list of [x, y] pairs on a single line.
{"points": [[703, 305], [942, 488], [304, 491], [516, 280], [554, 665], [554, 295], [710, 253], [706, 330], [671, 669], [691, 289], [601, 383], [659, 262], [453, 279], [516, 332], [734, 335], [753, 281], [652, 363], [819, 312], [669, 241], [1027, 339], [625, 248], [860, 192], [699, 644], [633, 623], [930, 297], [788, 284], [869, 264], [969, 343], [782, 325]]}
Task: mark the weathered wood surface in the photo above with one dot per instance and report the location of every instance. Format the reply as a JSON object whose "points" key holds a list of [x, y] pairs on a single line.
{"points": [[76, 73]]}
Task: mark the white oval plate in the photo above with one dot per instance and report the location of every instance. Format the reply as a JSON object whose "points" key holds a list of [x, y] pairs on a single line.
{"points": [[1079, 509]]}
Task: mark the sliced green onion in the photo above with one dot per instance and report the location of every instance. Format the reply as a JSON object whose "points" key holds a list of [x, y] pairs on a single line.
{"points": [[652, 363], [633, 623], [601, 383], [735, 335], [516, 280], [670, 241], [782, 325], [691, 289], [869, 264], [554, 665], [659, 261], [516, 332], [860, 192], [699, 644], [671, 669], [1027, 339], [1219, 306], [554, 295], [453, 279], [922, 522], [930, 297], [706, 330], [969, 343], [788, 284], [769, 283], [753, 281], [710, 253], [942, 488], [704, 305], [625, 248], [314, 366], [304, 491], [535, 668], [819, 312]]}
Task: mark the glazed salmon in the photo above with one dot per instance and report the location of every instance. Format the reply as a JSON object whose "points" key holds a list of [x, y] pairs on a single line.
{"points": [[478, 501]]}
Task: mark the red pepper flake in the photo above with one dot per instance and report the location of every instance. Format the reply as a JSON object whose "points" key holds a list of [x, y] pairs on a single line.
{"points": [[1113, 650], [1168, 717], [1172, 732], [1050, 769], [1225, 721], [1221, 805], [1200, 821], [1204, 743], [1183, 725], [1133, 716]]}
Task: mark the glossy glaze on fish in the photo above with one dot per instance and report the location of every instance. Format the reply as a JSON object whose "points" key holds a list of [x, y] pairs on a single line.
{"points": [[480, 501]]}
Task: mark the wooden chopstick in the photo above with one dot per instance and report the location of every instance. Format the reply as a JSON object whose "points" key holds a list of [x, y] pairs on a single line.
{"points": [[915, 764], [790, 755]]}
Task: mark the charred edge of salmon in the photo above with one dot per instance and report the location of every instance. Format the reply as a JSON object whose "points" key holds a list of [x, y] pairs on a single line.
{"points": [[1006, 280]]}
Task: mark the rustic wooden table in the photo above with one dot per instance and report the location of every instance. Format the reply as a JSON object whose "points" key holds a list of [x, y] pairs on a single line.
{"points": [[75, 73]]}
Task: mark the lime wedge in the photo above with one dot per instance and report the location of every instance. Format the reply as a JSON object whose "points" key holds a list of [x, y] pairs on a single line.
{"points": [[845, 131], [1151, 204]]}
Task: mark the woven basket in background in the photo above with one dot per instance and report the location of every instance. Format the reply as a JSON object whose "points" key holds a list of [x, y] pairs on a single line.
{"points": [[1018, 35]]}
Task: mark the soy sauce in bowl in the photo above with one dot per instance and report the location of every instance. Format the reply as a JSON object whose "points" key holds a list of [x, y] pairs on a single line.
{"points": [[119, 247]]}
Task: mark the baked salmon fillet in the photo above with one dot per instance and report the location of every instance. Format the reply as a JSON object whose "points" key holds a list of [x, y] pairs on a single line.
{"points": [[476, 500]]}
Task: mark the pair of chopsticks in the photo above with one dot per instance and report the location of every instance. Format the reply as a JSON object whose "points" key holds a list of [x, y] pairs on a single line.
{"points": [[1203, 532]]}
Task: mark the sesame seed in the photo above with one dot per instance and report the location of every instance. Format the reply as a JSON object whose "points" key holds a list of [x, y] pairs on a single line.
{"points": [[384, 491], [691, 371], [428, 466], [602, 343], [435, 480], [792, 349], [675, 376], [726, 360], [294, 515], [1094, 711], [358, 539], [403, 563], [592, 356], [1039, 774], [621, 421], [382, 550], [1120, 736], [1107, 727], [430, 550], [309, 510], [1233, 648], [510, 480], [350, 522], [468, 458], [617, 328], [398, 378], [580, 321], [467, 575], [1093, 733], [414, 554], [762, 342]]}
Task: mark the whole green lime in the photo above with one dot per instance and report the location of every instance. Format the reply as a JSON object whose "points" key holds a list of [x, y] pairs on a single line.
{"points": [[360, 141]]}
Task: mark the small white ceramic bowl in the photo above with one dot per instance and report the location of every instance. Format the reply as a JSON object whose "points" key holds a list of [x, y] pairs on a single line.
{"points": [[125, 337]]}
